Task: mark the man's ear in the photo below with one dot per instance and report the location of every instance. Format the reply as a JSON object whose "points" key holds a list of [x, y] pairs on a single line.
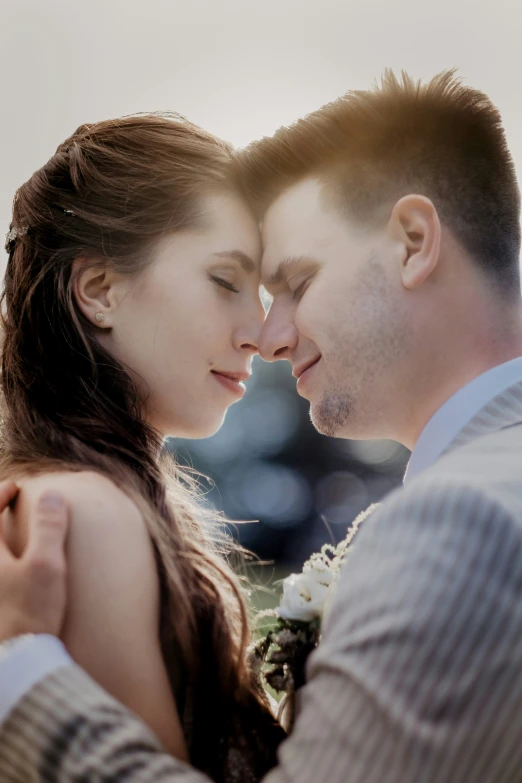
{"points": [[415, 224], [95, 291]]}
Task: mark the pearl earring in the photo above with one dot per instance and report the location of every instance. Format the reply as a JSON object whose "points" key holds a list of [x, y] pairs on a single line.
{"points": [[100, 317]]}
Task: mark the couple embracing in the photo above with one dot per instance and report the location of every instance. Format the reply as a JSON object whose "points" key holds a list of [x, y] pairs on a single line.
{"points": [[385, 227]]}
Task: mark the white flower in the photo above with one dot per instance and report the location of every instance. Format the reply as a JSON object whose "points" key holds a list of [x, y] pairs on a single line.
{"points": [[319, 570], [304, 597]]}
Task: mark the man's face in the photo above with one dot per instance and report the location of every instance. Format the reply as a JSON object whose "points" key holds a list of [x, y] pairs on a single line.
{"points": [[336, 311]]}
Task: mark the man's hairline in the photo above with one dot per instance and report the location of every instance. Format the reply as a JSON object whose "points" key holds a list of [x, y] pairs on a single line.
{"points": [[332, 200]]}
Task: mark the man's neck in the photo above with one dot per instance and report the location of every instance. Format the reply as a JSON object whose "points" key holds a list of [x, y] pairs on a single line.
{"points": [[443, 385]]}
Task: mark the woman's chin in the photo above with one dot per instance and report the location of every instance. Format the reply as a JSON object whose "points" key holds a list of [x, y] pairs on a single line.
{"points": [[196, 430], [208, 429]]}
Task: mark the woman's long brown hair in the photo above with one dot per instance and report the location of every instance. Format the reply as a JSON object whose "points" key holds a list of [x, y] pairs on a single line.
{"points": [[109, 192]]}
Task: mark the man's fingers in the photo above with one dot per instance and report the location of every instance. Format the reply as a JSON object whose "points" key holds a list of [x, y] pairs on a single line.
{"points": [[8, 492], [48, 530]]}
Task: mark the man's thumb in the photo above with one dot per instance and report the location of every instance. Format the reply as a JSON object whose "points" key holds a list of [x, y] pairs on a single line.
{"points": [[48, 527]]}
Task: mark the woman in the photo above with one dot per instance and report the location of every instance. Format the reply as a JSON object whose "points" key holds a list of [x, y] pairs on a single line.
{"points": [[131, 312]]}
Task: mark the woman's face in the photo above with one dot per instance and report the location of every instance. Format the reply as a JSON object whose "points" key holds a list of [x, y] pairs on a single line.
{"points": [[189, 325]]}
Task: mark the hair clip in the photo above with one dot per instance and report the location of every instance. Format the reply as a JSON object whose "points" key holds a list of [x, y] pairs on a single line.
{"points": [[12, 235]]}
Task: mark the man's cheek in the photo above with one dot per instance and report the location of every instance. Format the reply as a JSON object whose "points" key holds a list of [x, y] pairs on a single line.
{"points": [[310, 319]]}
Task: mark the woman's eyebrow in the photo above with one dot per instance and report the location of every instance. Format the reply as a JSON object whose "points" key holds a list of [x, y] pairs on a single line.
{"points": [[246, 263]]}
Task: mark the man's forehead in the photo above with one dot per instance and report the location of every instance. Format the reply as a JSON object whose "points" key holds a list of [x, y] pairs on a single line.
{"points": [[297, 226], [295, 206], [289, 224]]}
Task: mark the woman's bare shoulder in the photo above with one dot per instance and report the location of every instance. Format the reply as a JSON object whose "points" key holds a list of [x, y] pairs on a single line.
{"points": [[112, 621], [95, 505], [80, 488]]}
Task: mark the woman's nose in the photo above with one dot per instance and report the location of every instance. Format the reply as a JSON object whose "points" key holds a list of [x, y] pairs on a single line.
{"points": [[247, 337]]}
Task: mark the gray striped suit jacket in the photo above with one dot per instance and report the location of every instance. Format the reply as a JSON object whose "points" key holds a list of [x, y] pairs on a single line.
{"points": [[419, 675]]}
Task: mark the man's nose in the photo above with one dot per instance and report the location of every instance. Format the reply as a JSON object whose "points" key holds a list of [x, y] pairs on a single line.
{"points": [[278, 338]]}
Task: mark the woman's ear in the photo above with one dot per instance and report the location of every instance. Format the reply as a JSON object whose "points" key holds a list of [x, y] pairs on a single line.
{"points": [[94, 288], [415, 224]]}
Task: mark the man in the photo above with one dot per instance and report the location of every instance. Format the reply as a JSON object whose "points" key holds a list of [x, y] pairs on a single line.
{"points": [[391, 234]]}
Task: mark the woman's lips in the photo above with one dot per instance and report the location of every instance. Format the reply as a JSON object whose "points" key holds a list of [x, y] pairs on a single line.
{"points": [[231, 383]]}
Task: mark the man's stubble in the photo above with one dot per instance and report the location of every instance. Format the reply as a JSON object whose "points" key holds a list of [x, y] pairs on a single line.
{"points": [[366, 345]]}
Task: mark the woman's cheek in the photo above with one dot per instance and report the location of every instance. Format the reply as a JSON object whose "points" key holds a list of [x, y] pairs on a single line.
{"points": [[213, 329]]}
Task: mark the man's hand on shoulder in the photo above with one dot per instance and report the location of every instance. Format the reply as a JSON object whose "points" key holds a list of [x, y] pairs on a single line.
{"points": [[33, 585]]}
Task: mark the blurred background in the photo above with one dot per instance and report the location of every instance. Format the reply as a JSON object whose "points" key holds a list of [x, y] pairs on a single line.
{"points": [[268, 464], [241, 69]]}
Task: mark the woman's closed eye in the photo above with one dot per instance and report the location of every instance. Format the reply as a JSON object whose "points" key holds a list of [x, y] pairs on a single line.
{"points": [[220, 281]]}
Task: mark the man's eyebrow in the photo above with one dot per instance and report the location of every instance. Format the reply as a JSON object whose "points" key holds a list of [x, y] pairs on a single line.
{"points": [[285, 268], [244, 261]]}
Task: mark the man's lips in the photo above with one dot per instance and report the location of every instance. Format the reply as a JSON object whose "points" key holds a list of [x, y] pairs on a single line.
{"points": [[299, 369]]}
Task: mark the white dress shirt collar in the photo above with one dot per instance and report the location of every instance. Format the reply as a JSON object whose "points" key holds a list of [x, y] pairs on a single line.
{"points": [[448, 421]]}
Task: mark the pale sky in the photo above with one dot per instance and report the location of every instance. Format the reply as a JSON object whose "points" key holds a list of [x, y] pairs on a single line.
{"points": [[239, 68]]}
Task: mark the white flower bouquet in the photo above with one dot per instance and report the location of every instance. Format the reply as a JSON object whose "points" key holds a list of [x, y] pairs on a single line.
{"points": [[282, 654]]}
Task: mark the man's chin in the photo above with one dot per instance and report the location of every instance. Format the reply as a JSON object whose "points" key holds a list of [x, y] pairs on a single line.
{"points": [[331, 415], [324, 427]]}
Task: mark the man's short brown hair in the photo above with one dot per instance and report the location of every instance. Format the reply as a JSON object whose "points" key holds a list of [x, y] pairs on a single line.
{"points": [[442, 140]]}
